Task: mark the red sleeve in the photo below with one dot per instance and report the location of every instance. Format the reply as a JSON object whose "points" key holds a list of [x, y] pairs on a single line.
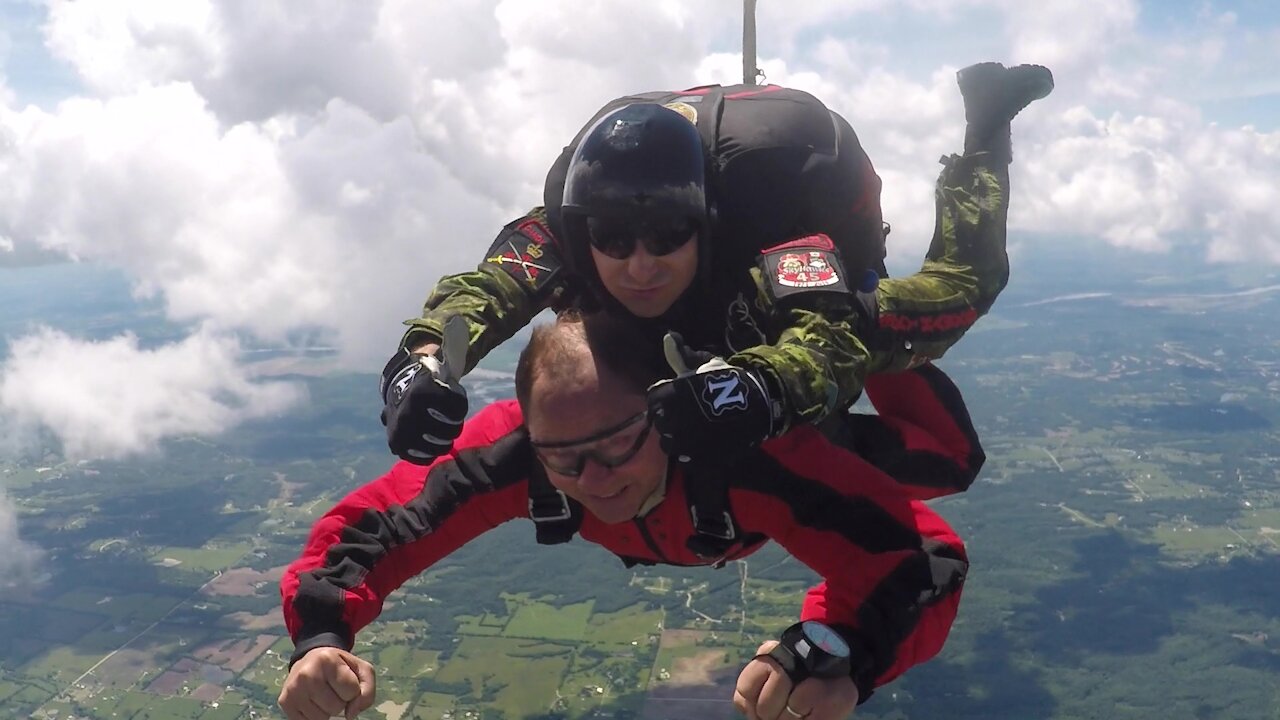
{"points": [[399, 525], [923, 436], [892, 569]]}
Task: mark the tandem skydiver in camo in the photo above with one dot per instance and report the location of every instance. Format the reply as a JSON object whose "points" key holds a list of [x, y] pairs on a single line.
{"points": [[745, 221]]}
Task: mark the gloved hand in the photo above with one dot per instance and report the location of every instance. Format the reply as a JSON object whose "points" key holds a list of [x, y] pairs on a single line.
{"points": [[424, 402], [710, 413]]}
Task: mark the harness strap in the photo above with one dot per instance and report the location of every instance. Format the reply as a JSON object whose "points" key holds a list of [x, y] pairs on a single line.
{"points": [[715, 532], [556, 518]]}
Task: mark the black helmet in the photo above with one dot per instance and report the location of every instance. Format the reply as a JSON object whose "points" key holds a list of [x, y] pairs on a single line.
{"points": [[639, 172], [644, 161]]}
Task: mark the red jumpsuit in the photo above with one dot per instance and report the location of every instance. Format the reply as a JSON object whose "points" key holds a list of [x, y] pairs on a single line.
{"points": [[892, 569]]}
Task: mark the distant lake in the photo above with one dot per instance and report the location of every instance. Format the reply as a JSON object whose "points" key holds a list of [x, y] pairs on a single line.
{"points": [[1202, 417]]}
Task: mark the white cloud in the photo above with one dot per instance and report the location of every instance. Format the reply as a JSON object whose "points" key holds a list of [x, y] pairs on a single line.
{"points": [[265, 227], [1068, 35], [118, 48], [1151, 182], [114, 398]]}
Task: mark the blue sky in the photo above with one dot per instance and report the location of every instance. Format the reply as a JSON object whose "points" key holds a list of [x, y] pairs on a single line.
{"points": [[273, 170], [1249, 91], [31, 72]]}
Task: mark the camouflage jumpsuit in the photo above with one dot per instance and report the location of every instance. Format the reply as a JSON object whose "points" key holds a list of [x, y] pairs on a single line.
{"points": [[815, 347]]}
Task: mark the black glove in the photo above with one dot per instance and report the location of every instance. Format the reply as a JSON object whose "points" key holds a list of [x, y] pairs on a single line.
{"points": [[710, 413], [425, 404]]}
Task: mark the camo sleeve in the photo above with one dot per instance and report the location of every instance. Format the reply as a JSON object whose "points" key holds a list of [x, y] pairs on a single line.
{"points": [[827, 343], [921, 316], [818, 363], [521, 274]]}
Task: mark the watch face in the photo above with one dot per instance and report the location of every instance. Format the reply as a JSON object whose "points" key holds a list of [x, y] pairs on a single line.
{"points": [[826, 638]]}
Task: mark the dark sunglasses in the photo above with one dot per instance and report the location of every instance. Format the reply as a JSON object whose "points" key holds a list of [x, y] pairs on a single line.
{"points": [[609, 448], [617, 237]]}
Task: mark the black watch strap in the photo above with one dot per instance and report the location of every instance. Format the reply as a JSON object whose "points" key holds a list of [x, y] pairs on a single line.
{"points": [[789, 663]]}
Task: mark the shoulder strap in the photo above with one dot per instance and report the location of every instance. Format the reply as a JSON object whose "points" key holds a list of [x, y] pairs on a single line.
{"points": [[556, 518], [714, 531]]}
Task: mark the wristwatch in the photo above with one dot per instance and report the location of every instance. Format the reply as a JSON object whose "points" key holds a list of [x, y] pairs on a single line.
{"points": [[812, 649]]}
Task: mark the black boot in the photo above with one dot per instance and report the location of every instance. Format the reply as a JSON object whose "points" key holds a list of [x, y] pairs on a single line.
{"points": [[993, 94]]}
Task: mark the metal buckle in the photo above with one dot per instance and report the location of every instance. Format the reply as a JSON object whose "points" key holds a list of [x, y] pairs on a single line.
{"points": [[564, 512], [726, 521]]}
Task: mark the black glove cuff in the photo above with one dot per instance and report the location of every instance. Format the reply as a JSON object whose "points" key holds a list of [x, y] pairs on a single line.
{"points": [[398, 361], [324, 639], [774, 397]]}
